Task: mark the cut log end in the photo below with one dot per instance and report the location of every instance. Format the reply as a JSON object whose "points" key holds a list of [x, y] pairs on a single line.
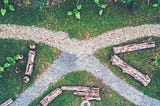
{"points": [[17, 70], [21, 56], [32, 46], [26, 79]]}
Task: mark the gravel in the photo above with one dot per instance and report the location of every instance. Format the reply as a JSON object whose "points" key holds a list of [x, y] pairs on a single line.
{"points": [[61, 40], [77, 55]]}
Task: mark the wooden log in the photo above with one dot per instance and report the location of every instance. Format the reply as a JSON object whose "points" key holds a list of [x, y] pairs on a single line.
{"points": [[126, 68], [75, 88], [91, 98], [79, 93], [29, 68], [50, 97], [149, 43], [92, 94], [7, 103]]}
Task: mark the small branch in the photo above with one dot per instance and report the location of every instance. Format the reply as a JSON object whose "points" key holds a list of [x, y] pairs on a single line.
{"points": [[77, 2]]}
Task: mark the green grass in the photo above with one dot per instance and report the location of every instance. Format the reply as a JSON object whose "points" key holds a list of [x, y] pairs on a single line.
{"points": [[140, 60], [84, 78], [11, 85], [91, 23]]}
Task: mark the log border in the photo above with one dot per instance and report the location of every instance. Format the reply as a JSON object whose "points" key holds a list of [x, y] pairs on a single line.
{"points": [[146, 44], [88, 93]]}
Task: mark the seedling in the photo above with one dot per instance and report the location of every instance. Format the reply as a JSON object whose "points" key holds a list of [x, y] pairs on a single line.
{"points": [[101, 6], [76, 12], [10, 61], [6, 5]]}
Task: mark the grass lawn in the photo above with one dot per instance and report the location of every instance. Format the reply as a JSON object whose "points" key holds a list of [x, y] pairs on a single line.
{"points": [[140, 60], [84, 78], [55, 18], [11, 85]]}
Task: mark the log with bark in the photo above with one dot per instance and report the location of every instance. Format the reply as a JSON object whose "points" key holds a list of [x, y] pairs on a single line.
{"points": [[50, 97], [149, 43], [75, 88], [126, 68], [92, 94], [30, 63]]}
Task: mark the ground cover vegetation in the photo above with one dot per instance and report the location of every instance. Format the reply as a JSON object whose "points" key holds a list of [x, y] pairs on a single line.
{"points": [[11, 83], [146, 61], [83, 78], [94, 16]]}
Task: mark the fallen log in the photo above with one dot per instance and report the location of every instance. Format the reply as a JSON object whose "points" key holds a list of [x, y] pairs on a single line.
{"points": [[7, 103], [126, 68], [149, 43], [50, 97], [92, 94], [29, 68], [75, 88], [79, 93]]}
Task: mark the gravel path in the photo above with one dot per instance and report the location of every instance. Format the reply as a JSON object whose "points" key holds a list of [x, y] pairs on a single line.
{"points": [[77, 55], [61, 40]]}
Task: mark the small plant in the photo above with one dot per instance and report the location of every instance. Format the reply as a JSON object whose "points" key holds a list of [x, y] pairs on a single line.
{"points": [[76, 12], [10, 61], [156, 5], [101, 6], [157, 60], [126, 2], [130, 4], [6, 5]]}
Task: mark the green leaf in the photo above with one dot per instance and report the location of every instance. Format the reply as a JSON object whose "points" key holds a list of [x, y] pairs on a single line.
{"points": [[78, 15], [6, 65], [98, 4], [155, 5], [75, 11], [11, 8], [158, 1], [3, 11], [103, 6], [100, 12], [16, 57], [5, 2], [79, 7], [129, 1], [69, 13], [11, 60], [1, 69], [96, 1]]}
